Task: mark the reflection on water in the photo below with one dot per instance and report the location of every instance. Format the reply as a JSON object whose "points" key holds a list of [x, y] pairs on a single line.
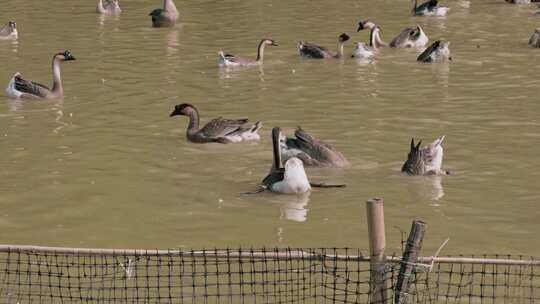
{"points": [[295, 208]]}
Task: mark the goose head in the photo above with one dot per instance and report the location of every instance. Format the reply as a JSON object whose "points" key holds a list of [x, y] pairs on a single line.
{"points": [[343, 37], [185, 109], [365, 25], [12, 25], [268, 41], [65, 56]]}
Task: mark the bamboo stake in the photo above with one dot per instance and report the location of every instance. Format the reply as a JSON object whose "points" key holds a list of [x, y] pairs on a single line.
{"points": [[377, 245]]}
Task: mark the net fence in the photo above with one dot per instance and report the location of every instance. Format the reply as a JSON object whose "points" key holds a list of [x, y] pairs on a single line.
{"points": [[279, 275]]}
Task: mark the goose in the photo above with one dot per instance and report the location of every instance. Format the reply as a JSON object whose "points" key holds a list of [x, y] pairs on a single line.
{"points": [[111, 7], [218, 130], [231, 60], [21, 88], [438, 51], [310, 50], [9, 31], [363, 51], [166, 16], [428, 8], [425, 160], [410, 38], [535, 39], [292, 178], [312, 151], [522, 1]]}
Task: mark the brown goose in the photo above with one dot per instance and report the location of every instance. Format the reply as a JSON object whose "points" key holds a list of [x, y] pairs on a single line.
{"points": [[111, 7], [9, 31], [312, 151], [21, 88], [426, 160], [218, 130], [310, 50], [166, 16]]}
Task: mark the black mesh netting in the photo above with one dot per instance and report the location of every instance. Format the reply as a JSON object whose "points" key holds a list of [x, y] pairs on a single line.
{"points": [[251, 276]]}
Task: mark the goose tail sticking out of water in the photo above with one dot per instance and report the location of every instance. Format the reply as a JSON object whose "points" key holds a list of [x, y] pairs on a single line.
{"points": [[9, 31], [534, 41], [425, 160], [218, 130], [111, 7], [428, 8], [166, 16], [438, 51], [410, 38]]}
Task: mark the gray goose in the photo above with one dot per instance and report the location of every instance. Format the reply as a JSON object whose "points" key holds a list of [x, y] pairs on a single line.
{"points": [[534, 42], [310, 50], [234, 61], [166, 16], [312, 151], [428, 8], [425, 160], [218, 130], [21, 88], [9, 31], [410, 38]]}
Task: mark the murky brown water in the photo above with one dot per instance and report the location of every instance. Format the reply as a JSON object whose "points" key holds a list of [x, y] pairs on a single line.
{"points": [[109, 168]]}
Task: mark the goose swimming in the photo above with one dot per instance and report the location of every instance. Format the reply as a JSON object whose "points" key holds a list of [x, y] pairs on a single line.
{"points": [[111, 7], [522, 1], [21, 88], [231, 60], [363, 51], [218, 130], [292, 178], [410, 38], [428, 8], [534, 42], [310, 50], [9, 31], [166, 16], [438, 51], [311, 151], [426, 160]]}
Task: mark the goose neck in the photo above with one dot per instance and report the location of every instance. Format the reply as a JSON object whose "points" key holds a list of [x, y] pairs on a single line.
{"points": [[193, 125], [168, 6], [57, 78], [276, 133], [260, 51]]}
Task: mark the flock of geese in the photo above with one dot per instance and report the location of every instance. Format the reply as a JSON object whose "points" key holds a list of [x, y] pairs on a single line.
{"points": [[290, 154]]}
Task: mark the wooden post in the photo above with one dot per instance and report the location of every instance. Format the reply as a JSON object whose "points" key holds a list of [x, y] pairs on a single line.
{"points": [[377, 245], [410, 258]]}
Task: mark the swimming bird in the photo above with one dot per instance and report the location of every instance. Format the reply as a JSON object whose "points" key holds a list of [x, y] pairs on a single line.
{"points": [[292, 178], [438, 51], [111, 7], [9, 31], [311, 151], [535, 39], [426, 160], [21, 88], [166, 16], [310, 50], [522, 1], [363, 51], [231, 60], [410, 38], [428, 8], [218, 130]]}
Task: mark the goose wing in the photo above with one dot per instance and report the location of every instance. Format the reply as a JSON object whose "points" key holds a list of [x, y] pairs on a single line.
{"points": [[311, 50], [414, 165], [237, 60], [275, 175], [31, 87], [428, 5], [402, 38], [426, 55], [220, 127], [306, 141]]}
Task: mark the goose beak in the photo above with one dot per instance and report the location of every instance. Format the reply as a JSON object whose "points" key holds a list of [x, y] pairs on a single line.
{"points": [[274, 44], [360, 27], [174, 113]]}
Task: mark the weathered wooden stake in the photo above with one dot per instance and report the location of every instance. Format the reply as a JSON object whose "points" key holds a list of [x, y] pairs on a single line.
{"points": [[377, 245], [410, 258]]}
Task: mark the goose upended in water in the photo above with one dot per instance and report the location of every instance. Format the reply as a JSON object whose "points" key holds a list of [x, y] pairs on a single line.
{"points": [[166, 16], [436, 52], [9, 31], [290, 179], [111, 7], [410, 38], [231, 60], [534, 41], [311, 151], [310, 50], [218, 130], [425, 160], [21, 88], [428, 8], [363, 51]]}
